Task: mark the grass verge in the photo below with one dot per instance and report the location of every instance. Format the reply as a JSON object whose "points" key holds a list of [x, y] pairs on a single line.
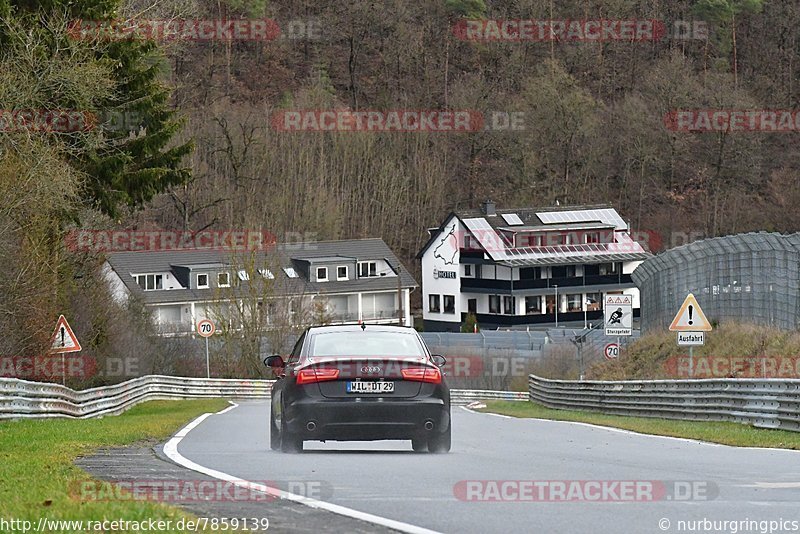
{"points": [[37, 472], [715, 432]]}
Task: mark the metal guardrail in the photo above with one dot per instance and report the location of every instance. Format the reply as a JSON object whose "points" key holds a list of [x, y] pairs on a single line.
{"points": [[764, 403], [26, 399]]}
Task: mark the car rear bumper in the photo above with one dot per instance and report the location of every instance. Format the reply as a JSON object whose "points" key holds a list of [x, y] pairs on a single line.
{"points": [[369, 419]]}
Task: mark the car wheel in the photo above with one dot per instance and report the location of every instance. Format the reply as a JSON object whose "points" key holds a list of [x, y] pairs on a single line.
{"points": [[290, 442], [274, 435], [419, 444], [439, 443]]}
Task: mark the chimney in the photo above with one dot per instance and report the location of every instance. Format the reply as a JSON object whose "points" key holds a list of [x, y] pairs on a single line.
{"points": [[487, 207]]}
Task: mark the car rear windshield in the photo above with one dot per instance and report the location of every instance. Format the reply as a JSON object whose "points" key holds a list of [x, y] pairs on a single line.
{"points": [[381, 344]]}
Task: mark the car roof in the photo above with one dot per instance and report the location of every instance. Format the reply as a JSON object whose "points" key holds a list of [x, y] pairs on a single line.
{"points": [[358, 328]]}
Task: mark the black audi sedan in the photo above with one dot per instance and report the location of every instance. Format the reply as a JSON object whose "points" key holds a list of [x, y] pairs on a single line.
{"points": [[359, 382]]}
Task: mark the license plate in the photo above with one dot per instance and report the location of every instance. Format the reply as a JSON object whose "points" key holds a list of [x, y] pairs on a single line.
{"points": [[370, 387]]}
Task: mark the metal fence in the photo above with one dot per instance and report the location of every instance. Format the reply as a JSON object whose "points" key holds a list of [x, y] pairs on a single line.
{"points": [[748, 278], [765, 403], [517, 340], [26, 399]]}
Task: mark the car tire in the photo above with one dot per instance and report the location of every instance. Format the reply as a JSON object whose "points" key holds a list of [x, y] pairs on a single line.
{"points": [[291, 443], [419, 444], [440, 443], [274, 434]]}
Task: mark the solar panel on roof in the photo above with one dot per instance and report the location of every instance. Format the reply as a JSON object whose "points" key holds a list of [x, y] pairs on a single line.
{"points": [[607, 216], [511, 218]]}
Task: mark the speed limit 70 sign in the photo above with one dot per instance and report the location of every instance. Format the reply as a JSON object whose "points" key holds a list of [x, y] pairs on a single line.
{"points": [[611, 352], [205, 328]]}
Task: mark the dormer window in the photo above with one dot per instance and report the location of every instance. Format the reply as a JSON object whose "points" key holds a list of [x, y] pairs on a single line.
{"points": [[534, 241], [322, 274], [150, 282], [367, 269], [202, 281], [341, 272], [592, 237], [224, 279]]}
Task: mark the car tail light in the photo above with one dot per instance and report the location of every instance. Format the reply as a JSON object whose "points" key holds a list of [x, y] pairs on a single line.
{"points": [[423, 374], [309, 376]]}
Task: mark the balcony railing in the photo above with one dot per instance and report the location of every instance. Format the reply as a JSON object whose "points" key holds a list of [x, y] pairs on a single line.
{"points": [[544, 283], [538, 318], [373, 315]]}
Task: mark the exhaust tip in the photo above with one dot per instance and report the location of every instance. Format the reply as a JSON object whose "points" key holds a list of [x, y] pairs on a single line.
{"points": [[311, 426], [428, 425]]}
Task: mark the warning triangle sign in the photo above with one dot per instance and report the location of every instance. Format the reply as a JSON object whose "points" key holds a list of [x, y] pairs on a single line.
{"points": [[64, 339], [690, 318]]}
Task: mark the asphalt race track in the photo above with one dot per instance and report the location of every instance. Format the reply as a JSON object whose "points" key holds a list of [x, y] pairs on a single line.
{"points": [[387, 479]]}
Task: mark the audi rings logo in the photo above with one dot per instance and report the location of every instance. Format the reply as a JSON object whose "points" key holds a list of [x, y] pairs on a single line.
{"points": [[370, 369]]}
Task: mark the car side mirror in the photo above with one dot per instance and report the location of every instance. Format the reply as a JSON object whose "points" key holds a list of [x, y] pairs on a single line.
{"points": [[439, 360], [274, 361]]}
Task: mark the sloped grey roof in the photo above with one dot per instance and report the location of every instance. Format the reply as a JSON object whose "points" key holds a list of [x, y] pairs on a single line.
{"points": [[126, 263], [587, 216]]}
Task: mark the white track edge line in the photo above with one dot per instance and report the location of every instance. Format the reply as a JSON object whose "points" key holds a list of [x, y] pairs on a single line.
{"points": [[229, 408], [631, 432], [171, 450]]}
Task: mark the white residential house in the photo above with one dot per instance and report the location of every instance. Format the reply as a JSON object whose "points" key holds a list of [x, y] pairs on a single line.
{"points": [[346, 281], [526, 267]]}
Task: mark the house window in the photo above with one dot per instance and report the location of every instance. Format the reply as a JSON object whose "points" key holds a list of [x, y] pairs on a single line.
{"points": [[223, 280], [574, 303], [591, 237], [534, 241], [533, 305], [530, 273], [469, 242], [367, 269], [322, 274], [243, 275], [594, 301], [591, 269], [609, 268], [341, 272], [433, 304], [449, 303], [569, 239], [266, 273], [472, 305], [290, 272], [494, 303], [508, 305], [150, 282], [202, 281], [468, 270]]}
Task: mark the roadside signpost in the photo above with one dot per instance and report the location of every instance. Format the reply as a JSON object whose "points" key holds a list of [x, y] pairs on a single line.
{"points": [[63, 341], [691, 324], [611, 352], [206, 329], [618, 315]]}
